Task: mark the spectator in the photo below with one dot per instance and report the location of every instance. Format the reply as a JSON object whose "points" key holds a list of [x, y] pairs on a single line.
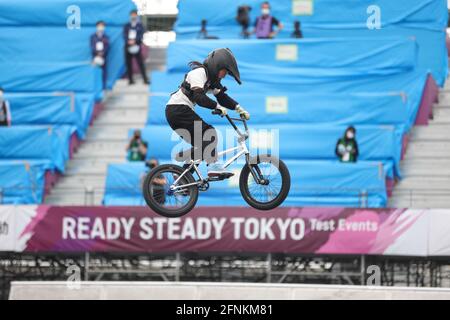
{"points": [[243, 18], [203, 34], [297, 30], [347, 147], [5, 114], [133, 34], [137, 148], [99, 48], [264, 25]]}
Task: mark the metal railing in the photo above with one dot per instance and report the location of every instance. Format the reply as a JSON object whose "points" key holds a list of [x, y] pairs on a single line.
{"points": [[405, 198]]}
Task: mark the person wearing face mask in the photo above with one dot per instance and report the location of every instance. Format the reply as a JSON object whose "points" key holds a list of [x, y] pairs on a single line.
{"points": [[99, 48], [264, 25], [347, 147], [137, 148], [204, 78], [5, 113], [133, 34]]}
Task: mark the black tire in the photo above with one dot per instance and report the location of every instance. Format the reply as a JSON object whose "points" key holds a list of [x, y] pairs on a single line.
{"points": [[246, 176], [155, 205]]}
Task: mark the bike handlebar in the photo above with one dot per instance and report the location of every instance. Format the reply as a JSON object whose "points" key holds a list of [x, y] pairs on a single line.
{"points": [[231, 121]]}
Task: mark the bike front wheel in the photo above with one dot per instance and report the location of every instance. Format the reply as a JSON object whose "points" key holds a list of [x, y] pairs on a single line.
{"points": [[165, 197], [272, 185]]}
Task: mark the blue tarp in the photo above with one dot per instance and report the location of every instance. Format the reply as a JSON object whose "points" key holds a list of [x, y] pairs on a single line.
{"points": [[50, 77], [22, 182], [53, 109], [411, 85], [61, 45], [336, 108], [341, 186], [360, 54], [423, 20], [37, 143], [347, 14], [289, 141], [309, 81], [60, 12]]}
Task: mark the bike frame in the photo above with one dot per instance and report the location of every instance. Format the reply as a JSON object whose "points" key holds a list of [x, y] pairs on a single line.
{"points": [[242, 151]]}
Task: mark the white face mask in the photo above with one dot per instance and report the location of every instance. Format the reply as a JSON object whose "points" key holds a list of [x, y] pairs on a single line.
{"points": [[350, 135], [265, 11]]}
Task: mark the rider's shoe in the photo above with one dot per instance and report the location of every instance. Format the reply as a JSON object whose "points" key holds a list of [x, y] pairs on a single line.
{"points": [[217, 170]]}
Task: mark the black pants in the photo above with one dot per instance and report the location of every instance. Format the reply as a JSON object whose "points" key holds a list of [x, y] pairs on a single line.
{"points": [[140, 61], [192, 129], [105, 76]]}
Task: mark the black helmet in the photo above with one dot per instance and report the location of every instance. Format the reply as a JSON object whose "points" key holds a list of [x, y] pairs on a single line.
{"points": [[222, 59]]}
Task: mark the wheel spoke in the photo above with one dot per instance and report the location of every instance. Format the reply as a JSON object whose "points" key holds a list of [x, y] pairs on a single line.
{"points": [[266, 193]]}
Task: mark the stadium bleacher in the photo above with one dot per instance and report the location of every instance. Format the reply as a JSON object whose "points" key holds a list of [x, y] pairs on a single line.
{"points": [[53, 88], [383, 81]]}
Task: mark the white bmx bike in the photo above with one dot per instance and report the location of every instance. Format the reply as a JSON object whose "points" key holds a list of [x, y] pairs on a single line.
{"points": [[264, 182]]}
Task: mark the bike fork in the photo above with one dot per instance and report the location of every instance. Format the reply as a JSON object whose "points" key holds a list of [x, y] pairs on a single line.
{"points": [[255, 171]]}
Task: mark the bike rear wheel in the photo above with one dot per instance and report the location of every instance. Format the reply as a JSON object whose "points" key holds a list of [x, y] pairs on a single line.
{"points": [[276, 186], [165, 201]]}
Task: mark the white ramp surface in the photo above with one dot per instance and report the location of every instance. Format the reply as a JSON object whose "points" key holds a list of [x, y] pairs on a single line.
{"points": [[214, 291]]}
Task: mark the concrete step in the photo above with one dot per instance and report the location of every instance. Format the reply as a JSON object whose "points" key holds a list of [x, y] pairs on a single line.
{"points": [[86, 170], [110, 131], [424, 183], [444, 96], [94, 162], [441, 115], [88, 155], [127, 101], [74, 199], [67, 191], [432, 132], [424, 167], [419, 202], [121, 134], [116, 145], [428, 149], [123, 87], [122, 117], [441, 105], [81, 182], [128, 106]]}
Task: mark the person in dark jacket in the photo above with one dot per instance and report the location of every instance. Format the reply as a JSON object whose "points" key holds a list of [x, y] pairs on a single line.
{"points": [[297, 30], [137, 148], [99, 49], [5, 113], [203, 34], [133, 34], [264, 24], [347, 147]]}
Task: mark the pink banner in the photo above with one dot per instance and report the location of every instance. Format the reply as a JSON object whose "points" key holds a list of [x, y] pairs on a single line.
{"points": [[207, 229]]}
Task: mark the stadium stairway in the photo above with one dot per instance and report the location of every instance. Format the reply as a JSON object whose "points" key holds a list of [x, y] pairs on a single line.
{"points": [[83, 183], [426, 169]]}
